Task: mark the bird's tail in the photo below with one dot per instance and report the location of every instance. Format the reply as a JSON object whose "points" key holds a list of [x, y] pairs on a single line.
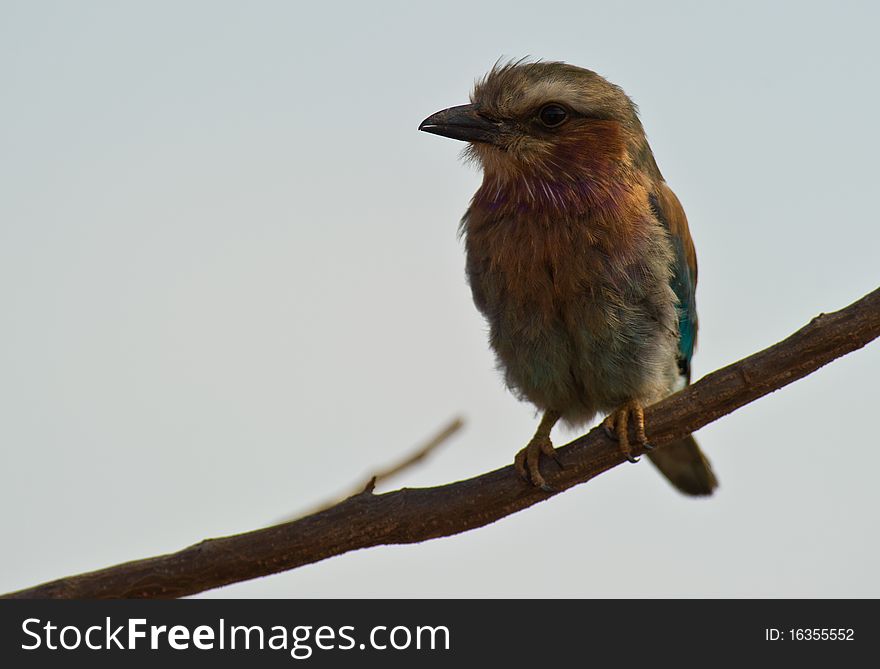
{"points": [[683, 463]]}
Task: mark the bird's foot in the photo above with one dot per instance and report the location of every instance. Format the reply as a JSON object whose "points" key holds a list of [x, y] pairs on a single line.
{"points": [[617, 428], [528, 461]]}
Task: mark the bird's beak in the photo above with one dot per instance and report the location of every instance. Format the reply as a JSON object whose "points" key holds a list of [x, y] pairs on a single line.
{"points": [[464, 123]]}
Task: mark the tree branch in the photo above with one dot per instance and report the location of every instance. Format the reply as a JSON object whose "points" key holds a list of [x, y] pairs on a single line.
{"points": [[413, 515], [382, 475]]}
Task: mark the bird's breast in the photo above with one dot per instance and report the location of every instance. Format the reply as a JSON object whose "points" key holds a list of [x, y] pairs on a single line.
{"points": [[576, 309]]}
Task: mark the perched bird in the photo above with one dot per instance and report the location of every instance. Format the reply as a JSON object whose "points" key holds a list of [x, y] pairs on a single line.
{"points": [[579, 257]]}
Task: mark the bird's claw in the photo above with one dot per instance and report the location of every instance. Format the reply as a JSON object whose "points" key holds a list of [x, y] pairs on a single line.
{"points": [[609, 429], [528, 462], [616, 426]]}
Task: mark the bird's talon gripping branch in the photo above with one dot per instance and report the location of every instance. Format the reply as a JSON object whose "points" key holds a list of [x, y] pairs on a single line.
{"points": [[519, 463], [528, 461], [608, 427], [617, 427]]}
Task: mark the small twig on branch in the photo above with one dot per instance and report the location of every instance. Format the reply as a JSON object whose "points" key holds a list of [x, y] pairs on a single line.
{"points": [[383, 475], [412, 515]]}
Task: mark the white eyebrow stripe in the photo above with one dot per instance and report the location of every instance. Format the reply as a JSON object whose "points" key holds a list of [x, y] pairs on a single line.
{"points": [[562, 92]]}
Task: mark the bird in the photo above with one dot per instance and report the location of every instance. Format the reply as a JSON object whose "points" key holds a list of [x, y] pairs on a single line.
{"points": [[580, 258]]}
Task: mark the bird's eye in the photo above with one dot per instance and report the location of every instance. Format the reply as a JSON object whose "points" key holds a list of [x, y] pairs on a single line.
{"points": [[552, 115]]}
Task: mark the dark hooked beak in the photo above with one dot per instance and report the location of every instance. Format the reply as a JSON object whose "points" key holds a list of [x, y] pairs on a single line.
{"points": [[464, 123]]}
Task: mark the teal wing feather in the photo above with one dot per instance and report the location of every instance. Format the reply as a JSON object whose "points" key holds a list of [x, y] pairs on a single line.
{"points": [[668, 211], [682, 462]]}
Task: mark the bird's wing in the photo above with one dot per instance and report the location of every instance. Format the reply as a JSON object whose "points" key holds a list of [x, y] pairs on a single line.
{"points": [[682, 462], [671, 215]]}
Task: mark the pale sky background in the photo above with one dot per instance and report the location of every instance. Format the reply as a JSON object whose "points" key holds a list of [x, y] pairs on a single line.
{"points": [[231, 287]]}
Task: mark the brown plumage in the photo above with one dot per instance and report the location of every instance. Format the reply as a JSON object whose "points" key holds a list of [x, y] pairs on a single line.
{"points": [[578, 255]]}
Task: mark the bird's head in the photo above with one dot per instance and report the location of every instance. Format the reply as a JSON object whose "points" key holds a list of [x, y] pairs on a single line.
{"points": [[546, 120]]}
